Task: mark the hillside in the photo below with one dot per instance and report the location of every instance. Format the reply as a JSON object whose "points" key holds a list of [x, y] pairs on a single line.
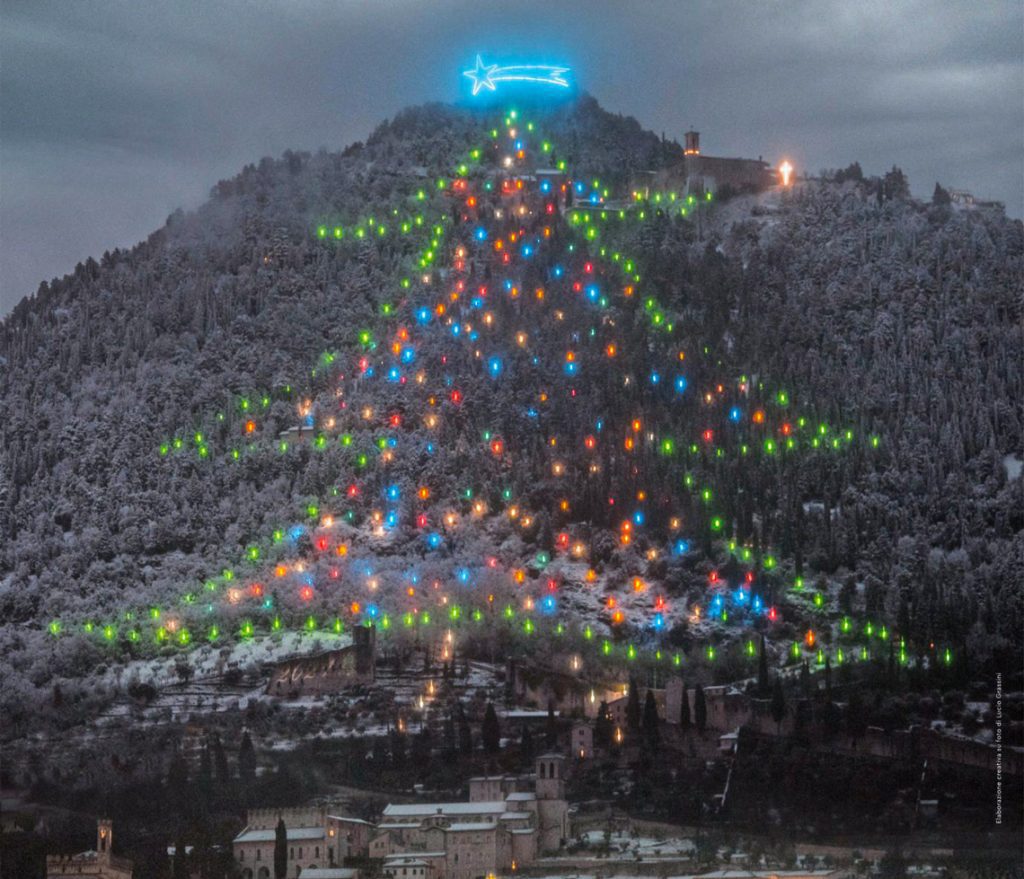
{"points": [[417, 381]]}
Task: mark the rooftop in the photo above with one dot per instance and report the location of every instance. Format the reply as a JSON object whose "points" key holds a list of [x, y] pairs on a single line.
{"points": [[294, 833], [329, 873], [425, 810], [406, 858], [349, 820]]}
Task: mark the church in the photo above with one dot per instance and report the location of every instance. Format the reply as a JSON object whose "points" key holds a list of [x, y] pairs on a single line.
{"points": [[507, 824]]}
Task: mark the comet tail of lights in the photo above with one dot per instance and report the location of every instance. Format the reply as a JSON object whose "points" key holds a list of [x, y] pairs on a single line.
{"points": [[486, 76]]}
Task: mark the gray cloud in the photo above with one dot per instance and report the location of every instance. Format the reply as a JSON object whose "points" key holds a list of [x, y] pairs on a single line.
{"points": [[114, 114]]}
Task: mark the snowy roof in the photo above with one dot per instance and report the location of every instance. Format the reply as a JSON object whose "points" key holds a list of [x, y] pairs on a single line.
{"points": [[296, 833], [398, 825], [472, 825], [515, 816], [521, 797], [329, 873], [348, 820], [762, 874], [424, 810], [405, 857]]}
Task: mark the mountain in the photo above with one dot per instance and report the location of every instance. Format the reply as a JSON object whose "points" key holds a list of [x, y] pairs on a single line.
{"points": [[473, 366]]}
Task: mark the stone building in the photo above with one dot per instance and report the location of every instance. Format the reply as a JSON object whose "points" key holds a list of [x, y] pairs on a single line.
{"points": [[328, 672], [710, 173], [505, 826], [696, 173], [317, 840], [99, 864], [581, 740]]}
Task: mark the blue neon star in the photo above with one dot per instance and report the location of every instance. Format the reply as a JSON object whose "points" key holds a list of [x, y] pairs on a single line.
{"points": [[481, 75]]}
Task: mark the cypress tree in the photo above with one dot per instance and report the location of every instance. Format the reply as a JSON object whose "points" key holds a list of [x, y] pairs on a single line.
{"points": [[220, 761], [205, 780], [778, 704], [633, 707], [465, 733], [551, 730], [280, 850], [526, 744], [247, 759], [490, 732], [700, 709], [652, 732], [603, 726], [762, 671], [684, 711]]}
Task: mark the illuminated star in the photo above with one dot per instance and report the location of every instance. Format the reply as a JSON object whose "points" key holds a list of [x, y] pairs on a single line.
{"points": [[481, 75], [486, 75]]}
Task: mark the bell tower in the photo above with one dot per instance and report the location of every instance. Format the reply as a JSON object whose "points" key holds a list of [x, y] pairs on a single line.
{"points": [[104, 839], [550, 777], [691, 145]]}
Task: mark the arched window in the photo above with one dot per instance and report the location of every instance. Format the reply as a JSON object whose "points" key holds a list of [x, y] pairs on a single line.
{"points": [[543, 769]]}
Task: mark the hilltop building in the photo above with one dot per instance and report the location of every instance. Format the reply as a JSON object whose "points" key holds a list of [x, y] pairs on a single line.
{"points": [[99, 864], [696, 173], [710, 173], [503, 827], [328, 672]]}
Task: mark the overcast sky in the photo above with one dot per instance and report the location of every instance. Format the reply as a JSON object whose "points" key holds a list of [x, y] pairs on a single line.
{"points": [[114, 114]]}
